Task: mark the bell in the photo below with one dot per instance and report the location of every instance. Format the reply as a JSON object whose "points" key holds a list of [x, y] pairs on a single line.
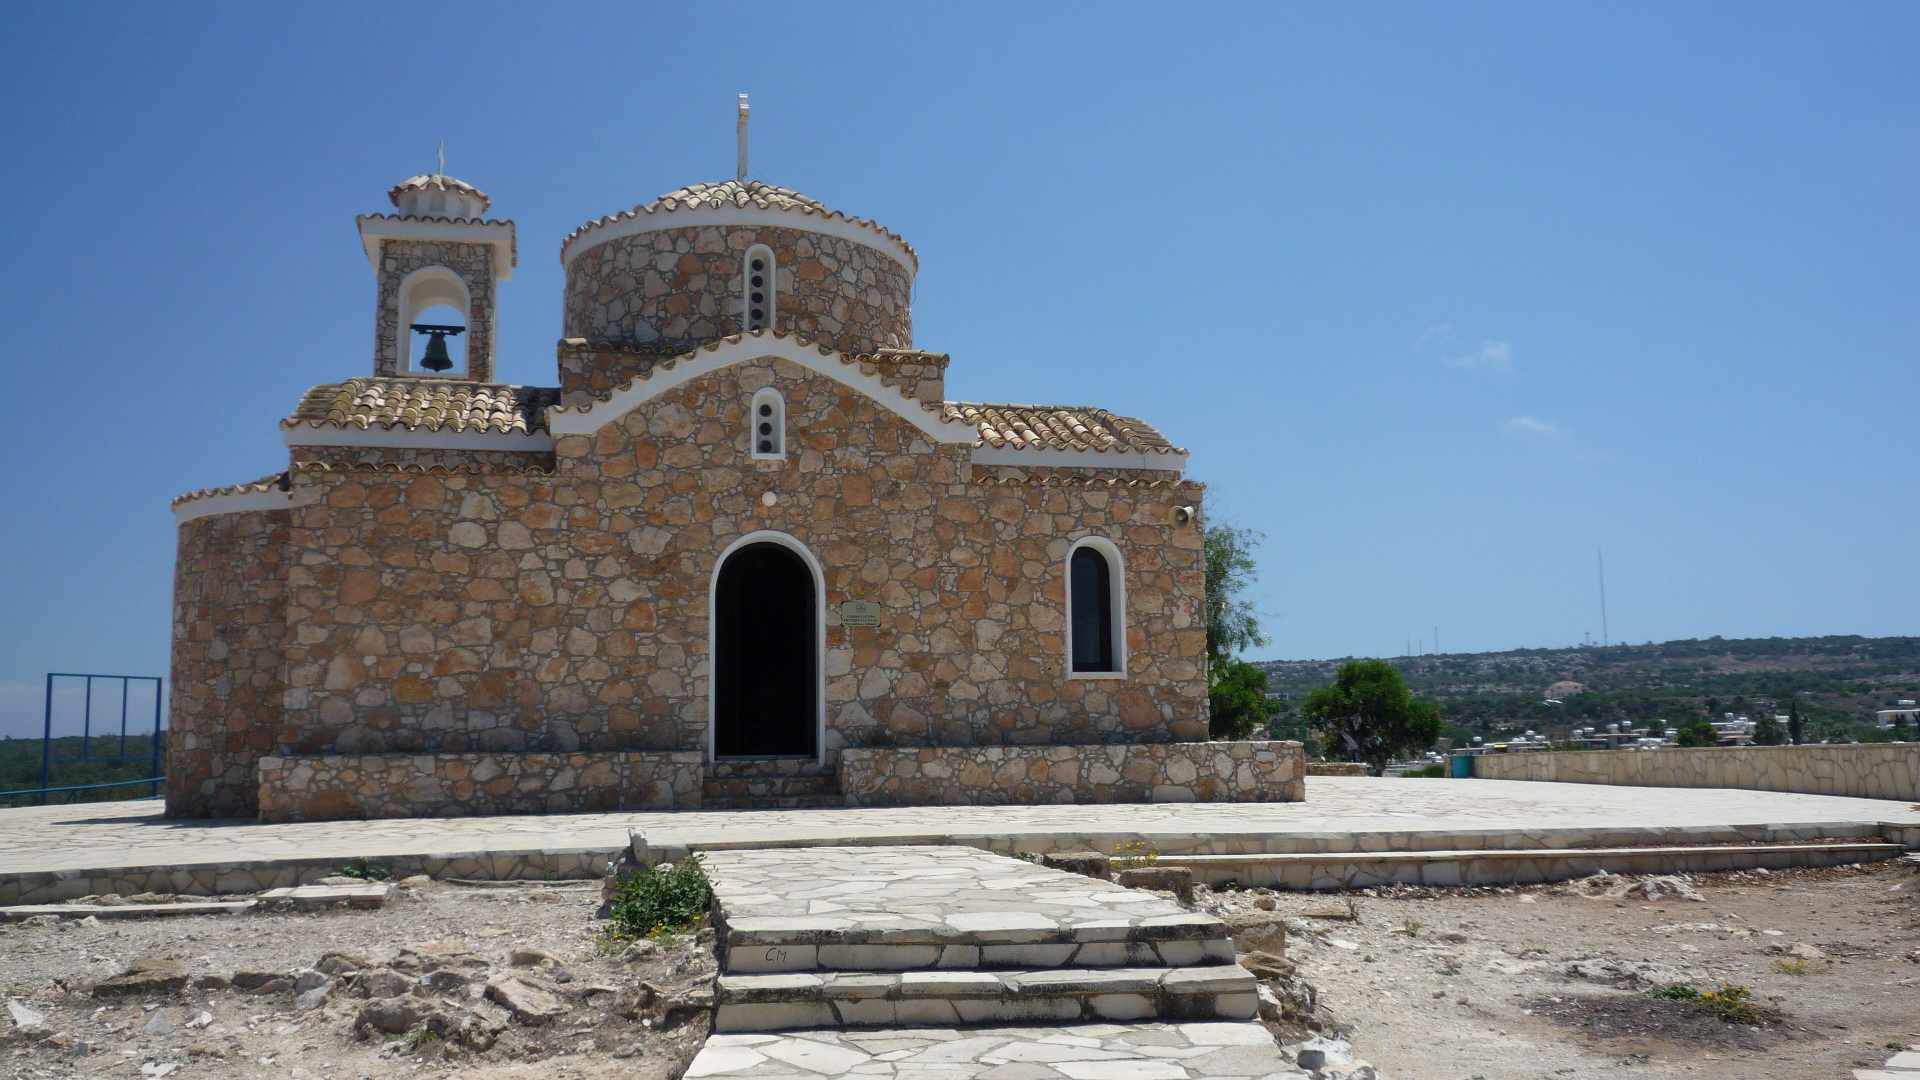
{"points": [[436, 358]]}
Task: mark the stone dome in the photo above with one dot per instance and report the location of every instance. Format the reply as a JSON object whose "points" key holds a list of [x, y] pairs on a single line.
{"points": [[438, 197], [684, 271]]}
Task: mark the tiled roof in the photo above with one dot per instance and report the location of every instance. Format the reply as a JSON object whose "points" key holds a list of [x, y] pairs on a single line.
{"points": [[436, 183], [738, 193], [1093, 482], [734, 193], [1057, 427], [433, 404], [471, 469], [276, 482]]}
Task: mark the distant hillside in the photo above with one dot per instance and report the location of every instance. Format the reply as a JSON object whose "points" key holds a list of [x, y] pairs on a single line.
{"points": [[1839, 682]]}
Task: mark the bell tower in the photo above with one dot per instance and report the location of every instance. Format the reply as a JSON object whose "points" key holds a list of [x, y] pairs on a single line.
{"points": [[435, 250]]}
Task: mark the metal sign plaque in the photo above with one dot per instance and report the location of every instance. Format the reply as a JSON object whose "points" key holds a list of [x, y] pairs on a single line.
{"points": [[859, 613]]}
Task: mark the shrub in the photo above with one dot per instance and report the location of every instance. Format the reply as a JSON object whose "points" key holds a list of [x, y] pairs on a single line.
{"points": [[364, 870], [1734, 1004], [654, 900], [1435, 769], [1135, 854]]}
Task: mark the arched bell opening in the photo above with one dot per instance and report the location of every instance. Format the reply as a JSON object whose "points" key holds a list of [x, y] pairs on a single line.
{"points": [[434, 303], [766, 689]]}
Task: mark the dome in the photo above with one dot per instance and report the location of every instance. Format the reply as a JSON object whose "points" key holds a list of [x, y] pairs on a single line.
{"points": [[736, 193], [438, 196]]}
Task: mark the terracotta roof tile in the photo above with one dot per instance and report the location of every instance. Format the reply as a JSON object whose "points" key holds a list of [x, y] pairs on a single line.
{"points": [[734, 193], [1057, 427], [276, 482], [436, 183], [433, 404]]}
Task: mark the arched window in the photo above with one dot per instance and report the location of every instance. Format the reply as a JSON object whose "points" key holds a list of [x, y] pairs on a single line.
{"points": [[756, 293], [1096, 607], [767, 423]]}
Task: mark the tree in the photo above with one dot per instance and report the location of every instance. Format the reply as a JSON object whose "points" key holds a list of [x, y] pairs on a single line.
{"points": [[1367, 715], [1696, 732], [1796, 731], [1767, 732], [1232, 624], [1236, 690], [1237, 701]]}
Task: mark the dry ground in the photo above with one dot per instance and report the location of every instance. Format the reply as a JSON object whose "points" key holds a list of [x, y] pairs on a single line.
{"points": [[1519, 984], [264, 1035]]}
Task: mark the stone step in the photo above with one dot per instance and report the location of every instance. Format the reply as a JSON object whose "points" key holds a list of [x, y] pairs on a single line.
{"points": [[985, 940], [775, 786], [740, 768], [772, 802], [125, 911], [1512, 866], [945, 998]]}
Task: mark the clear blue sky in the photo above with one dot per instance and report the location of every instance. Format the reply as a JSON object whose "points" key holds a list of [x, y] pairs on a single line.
{"points": [[1442, 298]]}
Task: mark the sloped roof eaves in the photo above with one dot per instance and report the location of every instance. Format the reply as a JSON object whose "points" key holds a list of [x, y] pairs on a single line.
{"points": [[1058, 427], [276, 482], [425, 404]]}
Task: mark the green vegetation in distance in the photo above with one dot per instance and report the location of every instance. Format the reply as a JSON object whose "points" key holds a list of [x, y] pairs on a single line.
{"points": [[1367, 715], [20, 768], [1828, 687]]}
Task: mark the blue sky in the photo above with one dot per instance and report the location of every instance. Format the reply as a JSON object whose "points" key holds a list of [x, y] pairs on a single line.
{"points": [[1441, 298]]}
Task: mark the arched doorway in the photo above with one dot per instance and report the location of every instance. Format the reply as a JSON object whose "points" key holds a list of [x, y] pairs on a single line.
{"points": [[765, 649]]}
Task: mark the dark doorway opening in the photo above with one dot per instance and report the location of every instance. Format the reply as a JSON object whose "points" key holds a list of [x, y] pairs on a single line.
{"points": [[765, 689]]}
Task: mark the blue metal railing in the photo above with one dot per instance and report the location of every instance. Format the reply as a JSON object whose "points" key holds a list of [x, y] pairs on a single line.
{"points": [[43, 792], [48, 761]]}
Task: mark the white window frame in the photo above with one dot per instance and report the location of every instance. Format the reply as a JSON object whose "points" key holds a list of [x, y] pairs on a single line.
{"points": [[767, 396], [1117, 603], [771, 311]]}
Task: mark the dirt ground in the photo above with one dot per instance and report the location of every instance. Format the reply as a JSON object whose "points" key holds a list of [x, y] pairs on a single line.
{"points": [[1544, 982], [233, 1032]]}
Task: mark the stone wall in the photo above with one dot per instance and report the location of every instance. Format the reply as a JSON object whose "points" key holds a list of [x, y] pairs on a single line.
{"points": [[229, 612], [679, 288], [1866, 771], [474, 264], [337, 787], [1001, 775], [568, 612]]}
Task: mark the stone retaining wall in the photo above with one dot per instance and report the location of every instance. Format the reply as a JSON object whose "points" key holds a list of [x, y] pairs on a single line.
{"points": [[1000, 775], [334, 787], [1864, 771], [1336, 768]]}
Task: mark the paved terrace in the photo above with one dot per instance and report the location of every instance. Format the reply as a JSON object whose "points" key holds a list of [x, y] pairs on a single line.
{"points": [[1339, 814]]}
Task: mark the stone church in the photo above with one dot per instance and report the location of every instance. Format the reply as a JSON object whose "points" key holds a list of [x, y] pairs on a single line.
{"points": [[743, 552]]}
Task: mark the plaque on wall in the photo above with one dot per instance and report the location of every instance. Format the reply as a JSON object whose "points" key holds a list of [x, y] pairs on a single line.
{"points": [[859, 613]]}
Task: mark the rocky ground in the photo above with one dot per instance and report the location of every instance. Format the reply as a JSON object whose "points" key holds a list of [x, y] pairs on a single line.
{"points": [[1550, 981], [446, 980]]}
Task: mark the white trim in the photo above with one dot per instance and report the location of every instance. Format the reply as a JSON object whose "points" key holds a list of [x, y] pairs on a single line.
{"points": [[310, 434], [1173, 461], [499, 234], [587, 419], [686, 217], [232, 502], [767, 395], [770, 311], [1117, 601], [773, 536]]}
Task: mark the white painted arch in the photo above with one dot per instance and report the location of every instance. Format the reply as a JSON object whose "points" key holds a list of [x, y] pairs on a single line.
{"points": [[792, 543], [424, 288], [1117, 602], [634, 222], [761, 344]]}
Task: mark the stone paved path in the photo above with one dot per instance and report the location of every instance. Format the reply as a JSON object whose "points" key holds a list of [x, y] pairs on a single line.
{"points": [[1192, 1051], [99, 835]]}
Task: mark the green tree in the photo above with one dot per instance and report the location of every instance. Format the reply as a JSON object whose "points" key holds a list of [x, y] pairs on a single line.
{"points": [[1236, 691], [1367, 715], [1696, 732], [1796, 729], [1232, 624], [1768, 732], [1237, 701]]}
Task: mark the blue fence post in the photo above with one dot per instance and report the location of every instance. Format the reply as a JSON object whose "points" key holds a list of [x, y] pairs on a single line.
{"points": [[46, 742]]}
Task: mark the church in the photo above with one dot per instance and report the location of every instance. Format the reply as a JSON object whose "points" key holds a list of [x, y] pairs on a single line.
{"points": [[743, 552]]}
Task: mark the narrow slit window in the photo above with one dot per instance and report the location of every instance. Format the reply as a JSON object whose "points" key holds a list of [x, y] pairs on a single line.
{"points": [[1090, 611], [767, 421], [757, 297]]}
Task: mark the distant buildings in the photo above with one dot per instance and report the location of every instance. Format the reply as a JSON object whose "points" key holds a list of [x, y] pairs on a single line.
{"points": [[1906, 713]]}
